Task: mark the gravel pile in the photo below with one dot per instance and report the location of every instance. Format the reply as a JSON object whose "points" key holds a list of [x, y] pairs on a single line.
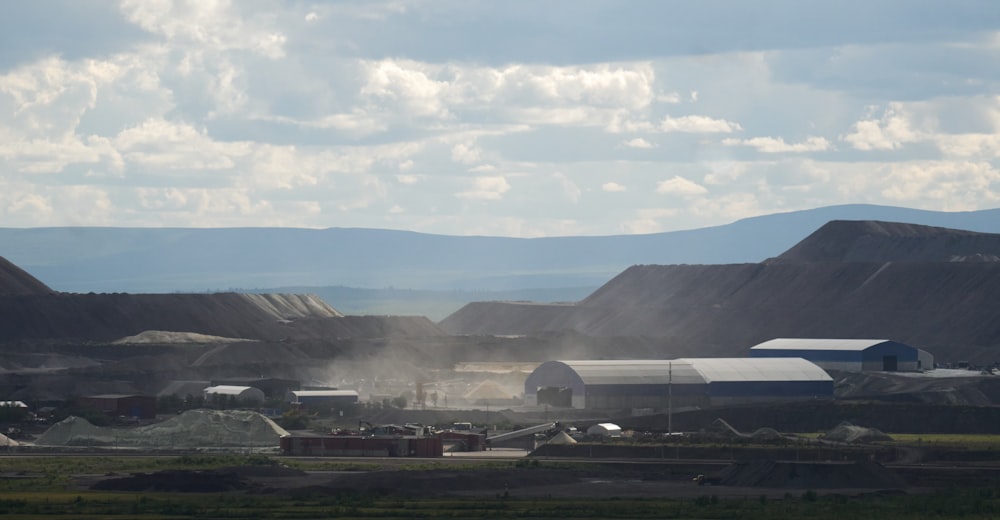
{"points": [[192, 429], [847, 432]]}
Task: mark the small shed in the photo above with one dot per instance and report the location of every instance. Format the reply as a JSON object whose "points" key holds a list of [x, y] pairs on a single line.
{"points": [[241, 394], [605, 430]]}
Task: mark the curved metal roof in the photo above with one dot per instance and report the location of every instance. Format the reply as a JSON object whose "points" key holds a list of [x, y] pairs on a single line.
{"points": [[324, 393], [634, 371], [855, 345], [757, 369], [230, 390], [686, 371]]}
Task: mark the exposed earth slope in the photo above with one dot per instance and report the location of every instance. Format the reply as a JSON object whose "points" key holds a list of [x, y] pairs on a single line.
{"points": [[948, 308], [869, 241], [109, 317], [32, 311], [14, 280]]}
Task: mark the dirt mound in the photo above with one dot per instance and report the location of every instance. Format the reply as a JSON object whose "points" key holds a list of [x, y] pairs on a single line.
{"points": [[810, 475], [192, 429], [14, 280], [847, 432], [879, 242], [163, 337], [944, 308], [109, 317]]}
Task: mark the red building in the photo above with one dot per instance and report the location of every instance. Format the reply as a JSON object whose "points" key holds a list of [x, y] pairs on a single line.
{"points": [[357, 446]]}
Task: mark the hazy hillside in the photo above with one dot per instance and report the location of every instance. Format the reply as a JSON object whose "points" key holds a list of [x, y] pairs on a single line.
{"points": [[168, 260], [948, 308]]}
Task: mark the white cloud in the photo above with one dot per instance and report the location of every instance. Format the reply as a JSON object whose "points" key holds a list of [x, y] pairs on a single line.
{"points": [[569, 188], [952, 185], [970, 145], [169, 145], [409, 84], [638, 142], [671, 98], [465, 153], [778, 144], [306, 114], [214, 24], [541, 95], [890, 132], [486, 188], [697, 125], [680, 186]]}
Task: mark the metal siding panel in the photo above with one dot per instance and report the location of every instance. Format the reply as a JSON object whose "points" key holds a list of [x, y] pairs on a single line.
{"points": [[771, 388]]}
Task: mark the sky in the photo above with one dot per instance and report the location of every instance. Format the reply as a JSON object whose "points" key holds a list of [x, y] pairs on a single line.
{"points": [[477, 117]]}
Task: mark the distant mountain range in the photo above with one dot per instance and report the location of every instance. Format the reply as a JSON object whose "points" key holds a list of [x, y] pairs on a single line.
{"points": [[402, 272]]}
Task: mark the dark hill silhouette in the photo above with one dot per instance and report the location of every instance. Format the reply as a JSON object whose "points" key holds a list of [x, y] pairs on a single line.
{"points": [[872, 241], [947, 308], [108, 317], [14, 280]]}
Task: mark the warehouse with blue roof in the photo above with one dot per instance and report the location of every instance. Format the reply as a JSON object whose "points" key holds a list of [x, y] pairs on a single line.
{"points": [[848, 355]]}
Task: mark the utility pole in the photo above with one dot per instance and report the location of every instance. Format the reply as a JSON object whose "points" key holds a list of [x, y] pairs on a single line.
{"points": [[670, 398]]}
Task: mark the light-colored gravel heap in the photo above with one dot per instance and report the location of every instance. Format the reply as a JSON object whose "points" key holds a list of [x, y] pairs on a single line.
{"points": [[192, 429], [7, 441], [167, 337], [847, 432]]}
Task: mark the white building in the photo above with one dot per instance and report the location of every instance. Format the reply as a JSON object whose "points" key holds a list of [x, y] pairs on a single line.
{"points": [[655, 383], [244, 394]]}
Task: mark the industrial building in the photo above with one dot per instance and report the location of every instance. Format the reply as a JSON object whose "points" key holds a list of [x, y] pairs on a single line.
{"points": [[361, 446], [273, 387], [122, 405], [239, 394], [323, 400], [657, 384], [849, 355]]}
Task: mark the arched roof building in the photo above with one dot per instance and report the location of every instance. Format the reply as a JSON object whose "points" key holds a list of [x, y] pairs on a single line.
{"points": [[238, 393], [645, 383], [849, 355]]}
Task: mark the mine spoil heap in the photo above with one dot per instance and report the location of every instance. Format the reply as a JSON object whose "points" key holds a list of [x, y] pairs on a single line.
{"points": [[191, 429], [926, 286]]}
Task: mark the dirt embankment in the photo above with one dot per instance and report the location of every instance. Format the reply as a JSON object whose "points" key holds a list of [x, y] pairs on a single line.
{"points": [[879, 242], [109, 317], [14, 280]]}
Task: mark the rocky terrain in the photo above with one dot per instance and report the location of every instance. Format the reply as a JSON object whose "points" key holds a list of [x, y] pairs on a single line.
{"points": [[932, 288]]}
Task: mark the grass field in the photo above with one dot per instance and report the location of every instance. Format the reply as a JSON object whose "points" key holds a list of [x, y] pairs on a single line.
{"points": [[41, 487], [36, 505]]}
